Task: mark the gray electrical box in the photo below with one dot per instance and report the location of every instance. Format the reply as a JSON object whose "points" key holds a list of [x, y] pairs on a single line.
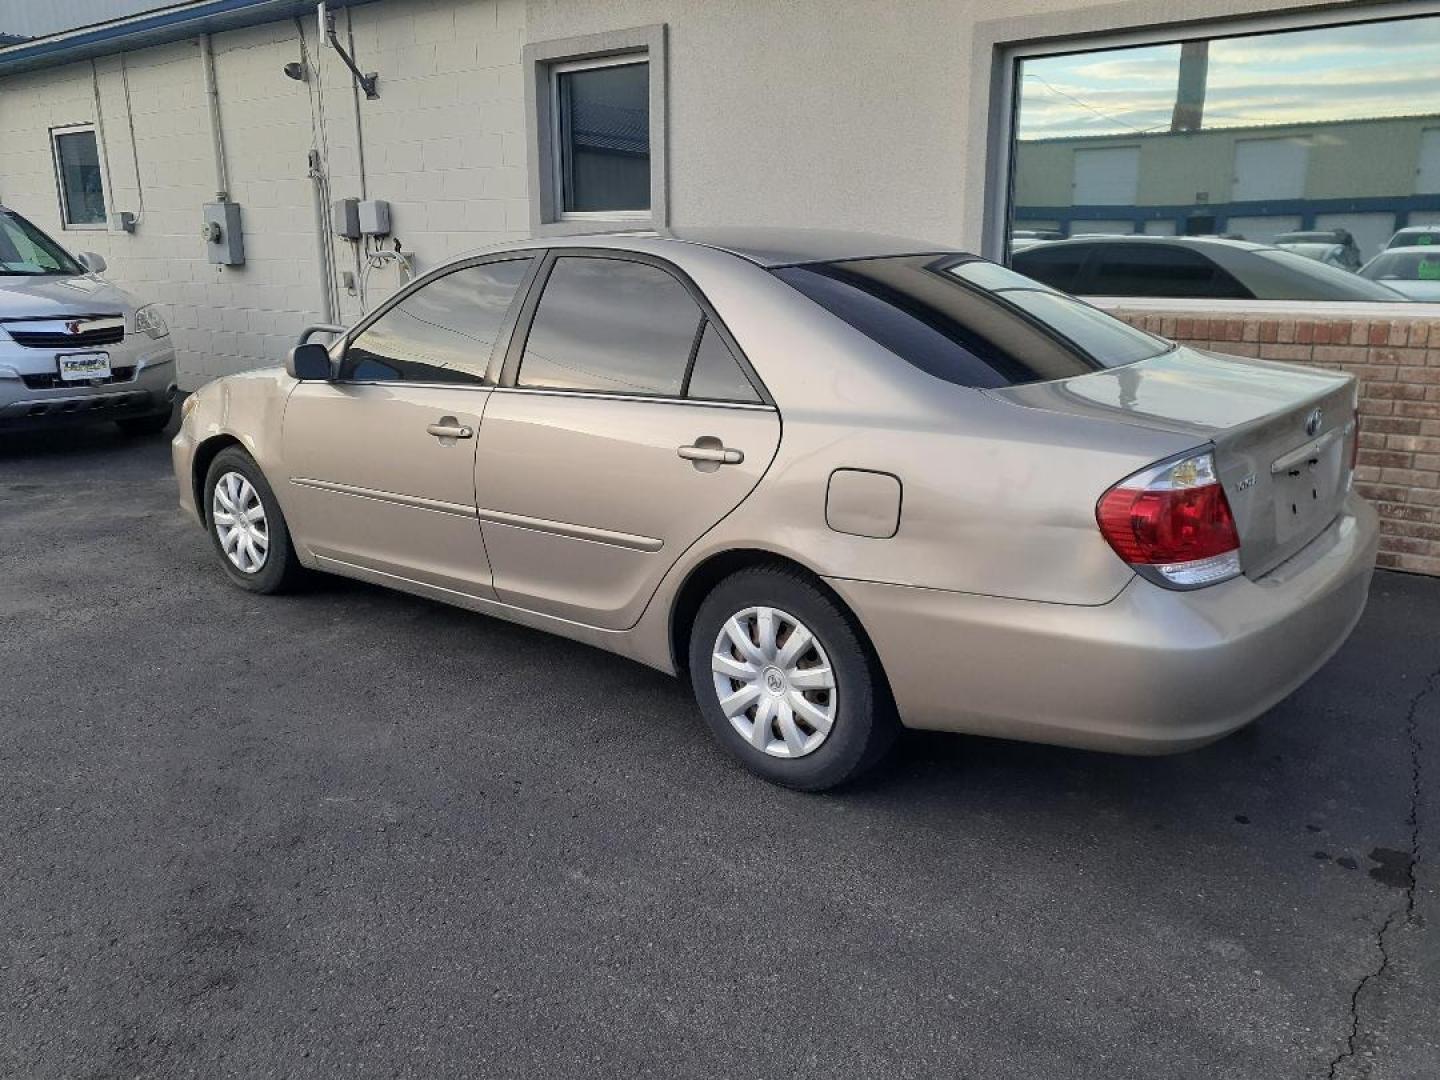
{"points": [[345, 218], [375, 217], [224, 242]]}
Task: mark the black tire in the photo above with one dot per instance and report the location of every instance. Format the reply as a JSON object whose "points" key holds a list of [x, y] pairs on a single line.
{"points": [[865, 723], [145, 425], [281, 570]]}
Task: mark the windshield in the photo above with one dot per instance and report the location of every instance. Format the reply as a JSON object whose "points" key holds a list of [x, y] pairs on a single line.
{"points": [[1409, 264], [1339, 284], [1414, 239], [26, 251], [971, 322]]}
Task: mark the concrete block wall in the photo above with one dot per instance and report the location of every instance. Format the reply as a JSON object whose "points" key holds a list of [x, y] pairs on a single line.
{"points": [[444, 143], [1397, 361]]}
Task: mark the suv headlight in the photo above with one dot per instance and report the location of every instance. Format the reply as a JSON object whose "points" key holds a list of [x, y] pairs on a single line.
{"points": [[149, 322]]}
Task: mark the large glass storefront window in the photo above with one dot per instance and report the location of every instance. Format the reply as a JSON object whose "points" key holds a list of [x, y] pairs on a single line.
{"points": [[1321, 142]]}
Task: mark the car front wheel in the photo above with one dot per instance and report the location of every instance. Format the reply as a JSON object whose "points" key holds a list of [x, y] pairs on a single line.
{"points": [[786, 682], [247, 526]]}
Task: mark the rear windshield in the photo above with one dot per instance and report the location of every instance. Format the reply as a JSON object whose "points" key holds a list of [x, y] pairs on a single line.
{"points": [[971, 322], [1405, 264], [1338, 284], [1415, 239], [28, 252]]}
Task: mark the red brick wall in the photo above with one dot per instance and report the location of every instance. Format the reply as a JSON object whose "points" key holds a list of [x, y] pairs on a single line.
{"points": [[1397, 361]]}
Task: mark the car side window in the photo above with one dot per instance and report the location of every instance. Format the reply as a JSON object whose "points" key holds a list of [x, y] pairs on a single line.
{"points": [[1159, 270], [716, 375], [610, 325], [443, 332], [1057, 266]]}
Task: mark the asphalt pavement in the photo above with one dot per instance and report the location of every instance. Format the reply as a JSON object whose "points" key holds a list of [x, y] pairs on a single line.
{"points": [[356, 834]]}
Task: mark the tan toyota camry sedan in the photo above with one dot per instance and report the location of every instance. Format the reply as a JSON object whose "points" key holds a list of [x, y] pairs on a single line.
{"points": [[841, 482]]}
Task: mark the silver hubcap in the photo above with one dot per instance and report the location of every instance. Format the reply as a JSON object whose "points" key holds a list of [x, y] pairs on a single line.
{"points": [[239, 518], [774, 682]]}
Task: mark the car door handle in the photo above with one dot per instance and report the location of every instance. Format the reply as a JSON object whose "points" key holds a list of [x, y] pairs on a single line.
{"points": [[720, 455], [450, 431]]}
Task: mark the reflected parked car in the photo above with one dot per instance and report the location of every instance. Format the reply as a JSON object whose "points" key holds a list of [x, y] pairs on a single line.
{"points": [[73, 348], [840, 482], [1415, 236], [1190, 267], [1413, 271], [1335, 247]]}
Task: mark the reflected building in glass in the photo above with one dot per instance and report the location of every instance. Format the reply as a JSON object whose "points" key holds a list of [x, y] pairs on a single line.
{"points": [[1250, 137]]}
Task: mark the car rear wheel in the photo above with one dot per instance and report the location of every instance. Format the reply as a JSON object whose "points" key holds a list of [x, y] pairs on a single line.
{"points": [[786, 682], [247, 526]]}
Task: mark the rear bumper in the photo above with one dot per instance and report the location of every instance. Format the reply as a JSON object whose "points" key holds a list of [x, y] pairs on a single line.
{"points": [[152, 390], [1153, 671]]}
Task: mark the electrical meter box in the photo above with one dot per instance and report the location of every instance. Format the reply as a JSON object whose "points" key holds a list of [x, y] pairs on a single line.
{"points": [[345, 218], [224, 242], [375, 217]]}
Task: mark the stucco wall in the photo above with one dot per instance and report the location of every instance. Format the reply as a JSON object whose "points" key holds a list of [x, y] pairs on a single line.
{"points": [[444, 143]]}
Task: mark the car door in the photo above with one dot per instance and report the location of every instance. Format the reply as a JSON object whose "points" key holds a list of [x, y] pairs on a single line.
{"points": [[626, 425], [381, 460]]}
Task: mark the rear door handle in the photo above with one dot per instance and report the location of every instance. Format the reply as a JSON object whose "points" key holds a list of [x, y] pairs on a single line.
{"points": [[450, 431], [720, 455]]}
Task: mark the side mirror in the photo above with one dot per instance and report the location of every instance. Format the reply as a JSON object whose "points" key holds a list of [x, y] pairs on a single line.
{"points": [[309, 362], [94, 264]]}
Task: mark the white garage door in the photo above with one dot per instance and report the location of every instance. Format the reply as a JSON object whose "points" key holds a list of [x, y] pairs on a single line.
{"points": [[1427, 176], [1108, 176], [1101, 228], [1160, 228], [1371, 231], [1423, 217], [1262, 230], [1270, 169]]}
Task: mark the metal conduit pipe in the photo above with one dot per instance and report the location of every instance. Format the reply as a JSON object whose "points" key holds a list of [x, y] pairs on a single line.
{"points": [[212, 94]]}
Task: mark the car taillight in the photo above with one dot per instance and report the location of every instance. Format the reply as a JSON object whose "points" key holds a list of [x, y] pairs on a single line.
{"points": [[1172, 522], [1354, 441]]}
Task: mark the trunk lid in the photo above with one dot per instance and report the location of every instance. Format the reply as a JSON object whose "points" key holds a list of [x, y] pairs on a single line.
{"points": [[1282, 434]]}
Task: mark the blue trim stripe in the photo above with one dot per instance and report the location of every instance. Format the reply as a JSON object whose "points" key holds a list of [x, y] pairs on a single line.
{"points": [[170, 24], [1073, 218]]}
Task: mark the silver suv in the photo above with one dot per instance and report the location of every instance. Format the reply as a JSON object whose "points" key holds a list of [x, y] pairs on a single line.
{"points": [[74, 348]]}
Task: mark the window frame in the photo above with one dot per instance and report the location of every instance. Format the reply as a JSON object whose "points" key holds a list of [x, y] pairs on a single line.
{"points": [[498, 350], [557, 143], [56, 134], [543, 62], [525, 320], [1002, 44]]}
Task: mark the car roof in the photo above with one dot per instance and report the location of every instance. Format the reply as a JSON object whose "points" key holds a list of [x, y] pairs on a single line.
{"points": [[768, 247], [1183, 241], [1418, 229]]}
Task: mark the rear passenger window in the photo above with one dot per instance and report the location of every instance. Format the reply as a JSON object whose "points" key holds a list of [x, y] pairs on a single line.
{"points": [[1160, 270], [717, 375], [1057, 266], [442, 332], [610, 325]]}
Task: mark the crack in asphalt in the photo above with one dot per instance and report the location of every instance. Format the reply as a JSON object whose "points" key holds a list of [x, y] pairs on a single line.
{"points": [[1404, 912]]}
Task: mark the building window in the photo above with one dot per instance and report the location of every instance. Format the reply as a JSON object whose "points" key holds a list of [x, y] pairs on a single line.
{"points": [[596, 107], [602, 136], [1323, 139], [79, 177]]}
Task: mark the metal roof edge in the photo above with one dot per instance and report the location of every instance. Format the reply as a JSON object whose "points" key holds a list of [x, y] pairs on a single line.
{"points": [[173, 23]]}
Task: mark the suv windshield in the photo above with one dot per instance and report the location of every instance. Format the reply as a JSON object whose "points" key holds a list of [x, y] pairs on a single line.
{"points": [[25, 250], [971, 322]]}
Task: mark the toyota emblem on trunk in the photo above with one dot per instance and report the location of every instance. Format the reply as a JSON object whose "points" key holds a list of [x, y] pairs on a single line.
{"points": [[1312, 422]]}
